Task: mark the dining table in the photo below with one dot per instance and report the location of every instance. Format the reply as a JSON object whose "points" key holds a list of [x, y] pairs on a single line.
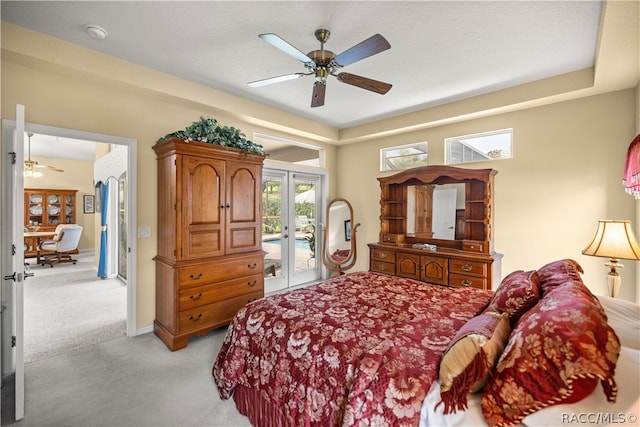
{"points": [[40, 236]]}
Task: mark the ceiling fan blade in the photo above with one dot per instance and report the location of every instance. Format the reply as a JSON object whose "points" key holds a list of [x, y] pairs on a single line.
{"points": [[317, 98], [371, 46], [271, 80], [37, 165], [364, 83], [286, 47]]}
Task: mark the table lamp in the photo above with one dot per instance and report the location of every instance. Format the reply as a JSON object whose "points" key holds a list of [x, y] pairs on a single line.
{"points": [[614, 240]]}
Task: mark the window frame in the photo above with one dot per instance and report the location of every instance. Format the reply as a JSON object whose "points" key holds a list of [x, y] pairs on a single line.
{"points": [[462, 141], [384, 159]]}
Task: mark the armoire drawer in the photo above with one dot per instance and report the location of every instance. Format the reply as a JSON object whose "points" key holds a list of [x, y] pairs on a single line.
{"points": [[214, 314], [200, 274], [197, 296]]}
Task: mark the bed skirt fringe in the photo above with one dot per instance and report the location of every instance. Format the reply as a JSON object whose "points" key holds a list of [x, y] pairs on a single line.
{"points": [[260, 412]]}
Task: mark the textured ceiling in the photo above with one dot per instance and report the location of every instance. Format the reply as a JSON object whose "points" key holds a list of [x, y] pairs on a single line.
{"points": [[440, 51]]}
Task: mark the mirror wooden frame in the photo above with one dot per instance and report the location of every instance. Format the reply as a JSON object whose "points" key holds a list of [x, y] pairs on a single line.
{"points": [[338, 266]]}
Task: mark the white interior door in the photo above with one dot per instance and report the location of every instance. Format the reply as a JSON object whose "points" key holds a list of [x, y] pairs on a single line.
{"points": [[444, 213], [12, 291]]}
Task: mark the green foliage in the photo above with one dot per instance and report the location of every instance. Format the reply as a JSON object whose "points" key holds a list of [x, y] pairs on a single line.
{"points": [[210, 132], [310, 237], [498, 153]]}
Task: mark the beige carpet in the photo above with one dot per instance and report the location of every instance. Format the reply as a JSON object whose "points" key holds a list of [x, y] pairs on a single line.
{"points": [[68, 307]]}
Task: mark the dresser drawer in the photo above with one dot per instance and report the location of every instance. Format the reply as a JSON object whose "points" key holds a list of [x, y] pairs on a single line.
{"points": [[200, 274], [464, 281], [383, 255], [473, 268], [202, 295], [383, 267], [214, 314]]}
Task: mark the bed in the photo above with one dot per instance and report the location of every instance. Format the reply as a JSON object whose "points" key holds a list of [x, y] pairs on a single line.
{"points": [[371, 349]]}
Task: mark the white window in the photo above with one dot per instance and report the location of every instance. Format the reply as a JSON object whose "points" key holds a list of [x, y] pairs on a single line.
{"points": [[403, 156], [480, 147]]}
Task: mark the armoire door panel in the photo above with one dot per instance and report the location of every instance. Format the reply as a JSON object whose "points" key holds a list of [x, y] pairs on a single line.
{"points": [[205, 243], [243, 189], [203, 223], [242, 239]]}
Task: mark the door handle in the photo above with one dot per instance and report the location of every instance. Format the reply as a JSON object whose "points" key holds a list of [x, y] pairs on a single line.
{"points": [[28, 274], [10, 277]]}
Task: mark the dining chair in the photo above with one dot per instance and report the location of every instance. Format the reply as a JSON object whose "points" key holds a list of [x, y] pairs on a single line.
{"points": [[59, 250]]}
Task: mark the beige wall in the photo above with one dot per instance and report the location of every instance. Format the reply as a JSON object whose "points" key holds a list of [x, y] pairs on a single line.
{"points": [[72, 89], [77, 175], [565, 175]]}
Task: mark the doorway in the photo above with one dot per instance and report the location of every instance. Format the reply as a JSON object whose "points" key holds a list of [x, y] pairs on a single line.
{"points": [[293, 207], [130, 146]]}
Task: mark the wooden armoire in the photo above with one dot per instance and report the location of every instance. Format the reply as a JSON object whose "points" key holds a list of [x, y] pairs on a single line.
{"points": [[210, 260]]}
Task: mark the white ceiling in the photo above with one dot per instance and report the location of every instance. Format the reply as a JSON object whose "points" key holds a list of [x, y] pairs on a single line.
{"points": [[441, 51]]}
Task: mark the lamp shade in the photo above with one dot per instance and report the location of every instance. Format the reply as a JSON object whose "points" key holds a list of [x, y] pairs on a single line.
{"points": [[614, 239]]}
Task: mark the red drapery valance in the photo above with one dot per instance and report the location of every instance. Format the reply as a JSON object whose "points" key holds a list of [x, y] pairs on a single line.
{"points": [[631, 178]]}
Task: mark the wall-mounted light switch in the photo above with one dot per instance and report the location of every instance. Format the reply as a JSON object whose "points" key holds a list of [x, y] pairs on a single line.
{"points": [[144, 232]]}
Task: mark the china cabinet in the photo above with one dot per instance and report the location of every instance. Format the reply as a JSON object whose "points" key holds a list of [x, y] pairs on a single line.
{"points": [[44, 209]]}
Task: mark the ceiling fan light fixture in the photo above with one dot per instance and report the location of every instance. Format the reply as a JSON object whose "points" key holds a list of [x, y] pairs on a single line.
{"points": [[30, 173]]}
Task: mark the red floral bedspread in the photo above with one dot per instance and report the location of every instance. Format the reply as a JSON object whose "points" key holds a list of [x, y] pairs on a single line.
{"points": [[362, 346]]}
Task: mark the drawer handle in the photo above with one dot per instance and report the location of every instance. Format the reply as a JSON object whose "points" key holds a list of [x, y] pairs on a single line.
{"points": [[252, 283], [382, 255], [195, 318], [195, 297], [195, 277], [382, 267], [466, 267], [252, 266], [465, 282]]}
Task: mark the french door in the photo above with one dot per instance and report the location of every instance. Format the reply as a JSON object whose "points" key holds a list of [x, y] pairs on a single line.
{"points": [[292, 210]]}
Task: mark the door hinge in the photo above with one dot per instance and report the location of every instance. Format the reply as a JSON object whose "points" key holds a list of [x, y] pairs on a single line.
{"points": [[13, 341], [13, 157], [13, 249]]}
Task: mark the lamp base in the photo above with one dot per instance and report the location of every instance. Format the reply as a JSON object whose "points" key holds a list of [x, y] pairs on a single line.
{"points": [[613, 278]]}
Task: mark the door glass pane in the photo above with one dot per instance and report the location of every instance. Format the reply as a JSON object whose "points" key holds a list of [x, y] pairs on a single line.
{"points": [[272, 188], [305, 208]]}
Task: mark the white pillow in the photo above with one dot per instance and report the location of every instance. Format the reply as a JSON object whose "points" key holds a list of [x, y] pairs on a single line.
{"points": [[624, 317]]}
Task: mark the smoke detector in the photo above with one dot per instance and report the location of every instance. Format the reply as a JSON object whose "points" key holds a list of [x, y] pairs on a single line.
{"points": [[96, 32]]}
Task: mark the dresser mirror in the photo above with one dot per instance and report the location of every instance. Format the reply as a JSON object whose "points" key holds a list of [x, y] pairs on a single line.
{"points": [[436, 211], [339, 237]]}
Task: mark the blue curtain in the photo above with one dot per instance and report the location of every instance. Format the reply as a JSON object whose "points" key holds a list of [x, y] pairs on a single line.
{"points": [[104, 201]]}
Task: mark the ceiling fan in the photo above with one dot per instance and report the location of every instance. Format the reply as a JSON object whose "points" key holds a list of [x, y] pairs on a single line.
{"points": [[30, 166], [323, 63]]}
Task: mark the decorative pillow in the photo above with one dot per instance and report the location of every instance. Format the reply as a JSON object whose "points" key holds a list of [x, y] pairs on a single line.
{"points": [[556, 354], [517, 293], [558, 272], [470, 357]]}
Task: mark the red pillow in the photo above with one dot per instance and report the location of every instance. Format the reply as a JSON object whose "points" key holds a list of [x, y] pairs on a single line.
{"points": [[558, 272], [556, 354], [517, 293]]}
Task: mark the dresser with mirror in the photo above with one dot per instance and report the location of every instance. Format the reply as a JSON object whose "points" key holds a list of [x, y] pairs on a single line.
{"points": [[436, 225]]}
